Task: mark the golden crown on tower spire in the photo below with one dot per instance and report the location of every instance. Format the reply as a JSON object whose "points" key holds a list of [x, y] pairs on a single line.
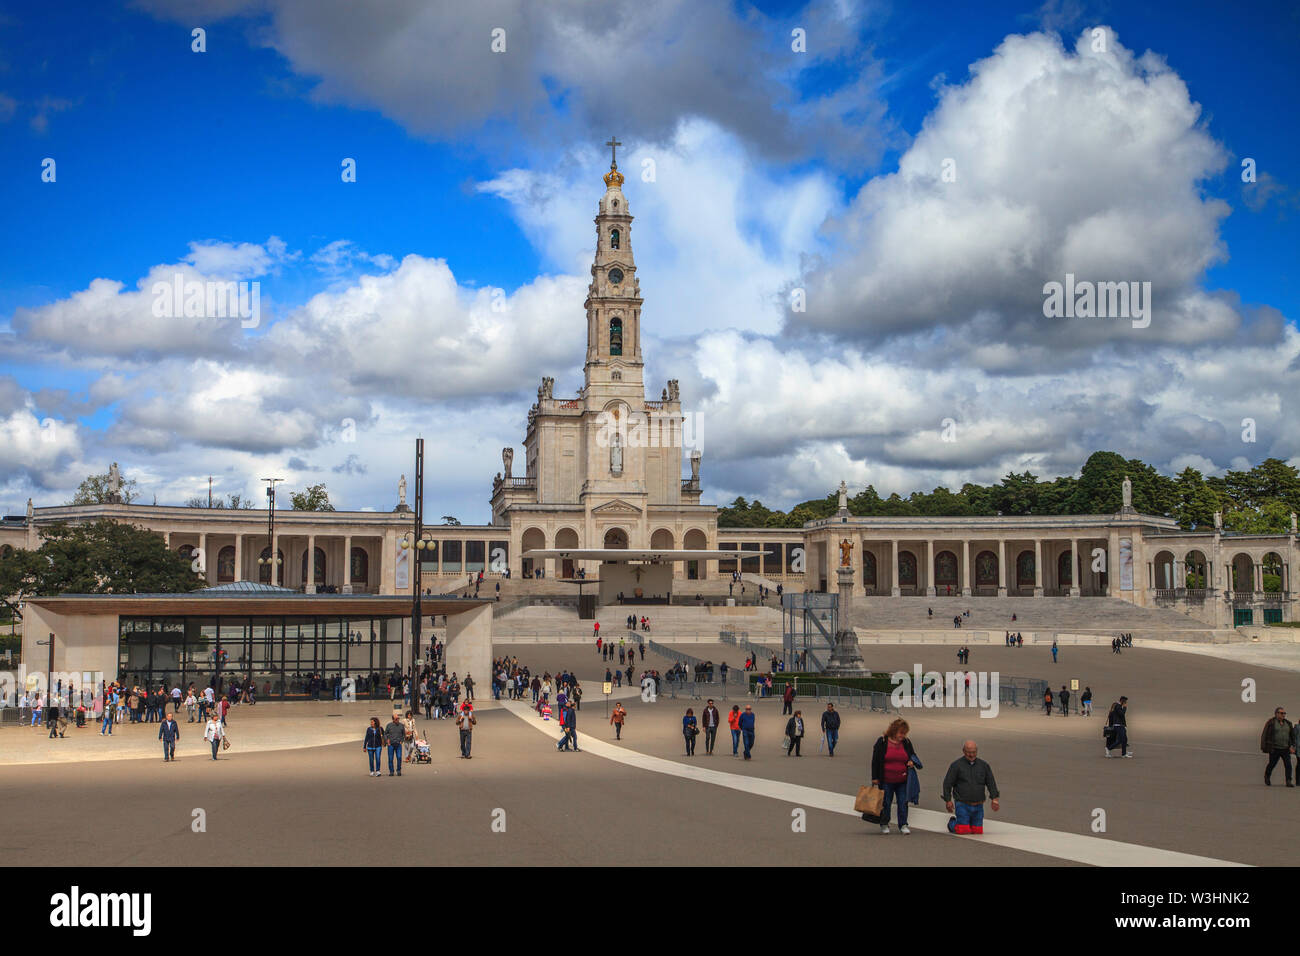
{"points": [[613, 177]]}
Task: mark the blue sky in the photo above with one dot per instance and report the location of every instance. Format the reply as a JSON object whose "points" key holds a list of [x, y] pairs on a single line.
{"points": [[158, 148]]}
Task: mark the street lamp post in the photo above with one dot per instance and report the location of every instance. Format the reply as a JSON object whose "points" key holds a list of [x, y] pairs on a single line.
{"points": [[272, 560], [49, 674], [420, 545]]}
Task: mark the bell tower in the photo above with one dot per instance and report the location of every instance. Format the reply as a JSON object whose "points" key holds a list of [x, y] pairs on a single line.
{"points": [[614, 366]]}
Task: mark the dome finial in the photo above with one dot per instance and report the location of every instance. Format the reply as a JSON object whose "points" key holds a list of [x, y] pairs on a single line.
{"points": [[613, 177]]}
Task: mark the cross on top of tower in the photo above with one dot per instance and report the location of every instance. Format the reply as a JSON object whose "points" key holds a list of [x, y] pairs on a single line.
{"points": [[613, 145]]}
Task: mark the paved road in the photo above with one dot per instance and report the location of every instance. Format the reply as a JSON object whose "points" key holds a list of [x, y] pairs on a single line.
{"points": [[1194, 786]]}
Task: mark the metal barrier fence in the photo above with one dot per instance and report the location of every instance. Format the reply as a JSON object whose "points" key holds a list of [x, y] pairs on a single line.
{"points": [[735, 675], [841, 697], [1015, 691]]}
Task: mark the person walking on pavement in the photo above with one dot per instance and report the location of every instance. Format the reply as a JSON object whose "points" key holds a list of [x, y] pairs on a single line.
{"points": [[831, 727], [1047, 702], [1065, 701], [465, 723], [963, 791], [569, 724], [787, 699], [1085, 702], [616, 718], [746, 724], [394, 735], [1054, 652], [1117, 728], [733, 721], [711, 719], [690, 730], [373, 744], [891, 758], [169, 732], [1278, 741], [794, 730], [214, 733]]}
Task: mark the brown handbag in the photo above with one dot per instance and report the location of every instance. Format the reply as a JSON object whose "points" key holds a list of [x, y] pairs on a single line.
{"points": [[871, 800]]}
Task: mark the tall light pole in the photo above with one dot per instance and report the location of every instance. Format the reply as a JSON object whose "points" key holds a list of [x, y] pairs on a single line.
{"points": [[272, 559], [49, 674], [419, 546]]}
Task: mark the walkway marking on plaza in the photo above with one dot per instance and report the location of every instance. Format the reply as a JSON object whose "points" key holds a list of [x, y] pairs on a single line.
{"points": [[1078, 848]]}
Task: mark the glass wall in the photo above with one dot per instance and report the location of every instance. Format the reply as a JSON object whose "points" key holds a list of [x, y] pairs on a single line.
{"points": [[451, 551], [475, 556], [285, 657], [727, 565]]}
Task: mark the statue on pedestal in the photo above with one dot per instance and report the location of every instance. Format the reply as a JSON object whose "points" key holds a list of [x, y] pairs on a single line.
{"points": [[846, 551], [1126, 490], [695, 468], [401, 495], [844, 497], [114, 484], [508, 459], [1218, 521]]}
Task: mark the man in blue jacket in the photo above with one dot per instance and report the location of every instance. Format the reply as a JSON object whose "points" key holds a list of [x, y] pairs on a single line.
{"points": [[747, 728], [831, 727], [169, 732], [569, 722]]}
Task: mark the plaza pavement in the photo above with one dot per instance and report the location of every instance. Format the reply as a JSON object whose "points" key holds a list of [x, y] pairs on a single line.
{"points": [[1194, 787]]}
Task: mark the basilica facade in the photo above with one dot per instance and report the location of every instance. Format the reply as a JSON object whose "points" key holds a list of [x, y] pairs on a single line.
{"points": [[604, 468]]}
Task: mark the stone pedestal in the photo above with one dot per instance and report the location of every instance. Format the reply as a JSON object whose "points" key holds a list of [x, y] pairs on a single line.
{"points": [[846, 660]]}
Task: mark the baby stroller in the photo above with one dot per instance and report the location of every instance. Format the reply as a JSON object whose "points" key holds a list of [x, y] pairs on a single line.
{"points": [[422, 751]]}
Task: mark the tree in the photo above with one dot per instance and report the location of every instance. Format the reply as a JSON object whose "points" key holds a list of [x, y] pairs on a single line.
{"points": [[315, 498], [94, 491], [1197, 503], [237, 502], [98, 557]]}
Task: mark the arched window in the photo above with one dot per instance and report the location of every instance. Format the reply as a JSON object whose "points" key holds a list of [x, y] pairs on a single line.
{"points": [[226, 564], [360, 570], [616, 336], [613, 238]]}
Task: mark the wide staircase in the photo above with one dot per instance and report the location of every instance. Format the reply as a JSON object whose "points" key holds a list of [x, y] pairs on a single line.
{"points": [[1081, 614], [558, 625]]}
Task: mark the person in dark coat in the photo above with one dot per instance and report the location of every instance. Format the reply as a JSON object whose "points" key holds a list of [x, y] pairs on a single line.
{"points": [[169, 732], [373, 745], [794, 730], [831, 727]]}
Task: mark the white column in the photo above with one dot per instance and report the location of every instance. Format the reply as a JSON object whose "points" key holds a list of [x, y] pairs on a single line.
{"points": [[203, 554], [310, 583], [859, 582], [239, 556], [929, 567], [893, 549], [276, 576], [965, 567], [1112, 565], [1038, 567], [1074, 567], [347, 564], [1002, 567]]}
